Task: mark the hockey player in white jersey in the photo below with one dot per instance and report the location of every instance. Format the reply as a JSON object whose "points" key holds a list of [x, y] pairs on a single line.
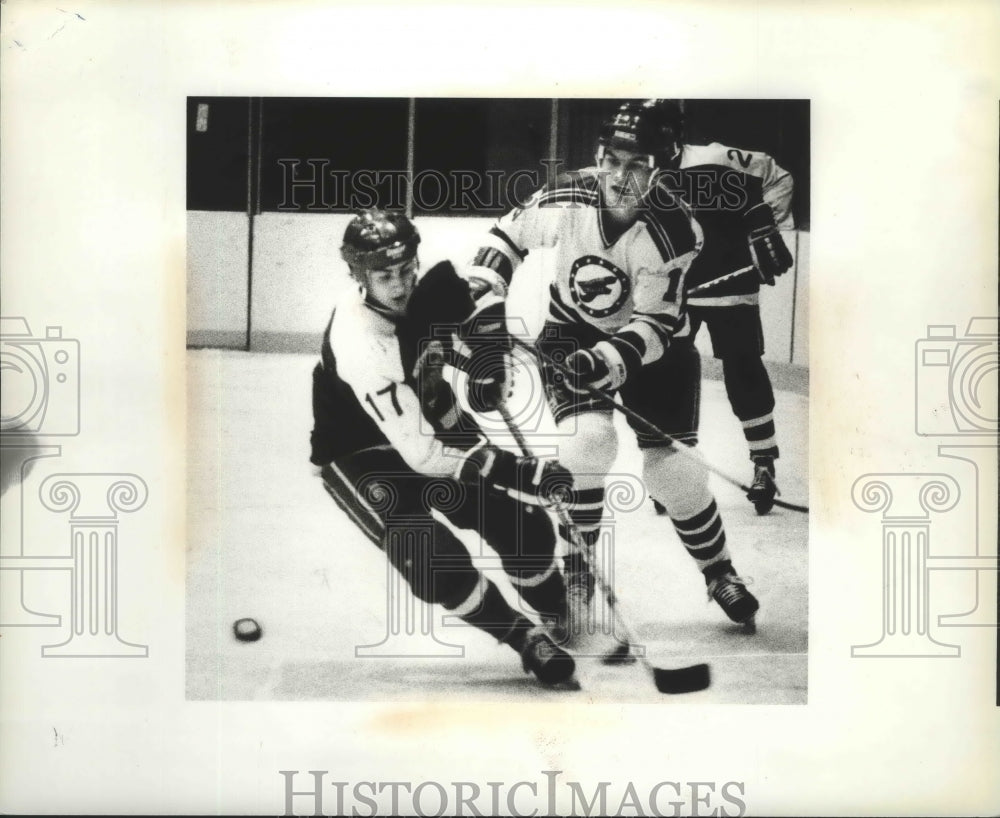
{"points": [[741, 199], [393, 445], [622, 256]]}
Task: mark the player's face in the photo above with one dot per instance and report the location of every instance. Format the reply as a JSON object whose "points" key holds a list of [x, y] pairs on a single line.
{"points": [[392, 286], [624, 178]]}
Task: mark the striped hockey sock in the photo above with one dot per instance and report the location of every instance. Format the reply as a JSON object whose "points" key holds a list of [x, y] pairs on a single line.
{"points": [[545, 591], [704, 537], [760, 436], [585, 508], [487, 610]]}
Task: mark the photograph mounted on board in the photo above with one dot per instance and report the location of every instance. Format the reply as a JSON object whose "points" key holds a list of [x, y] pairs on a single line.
{"points": [[497, 399]]}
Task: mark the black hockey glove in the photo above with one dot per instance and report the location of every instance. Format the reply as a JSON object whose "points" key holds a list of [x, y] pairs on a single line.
{"points": [[436, 397], [545, 479], [606, 365], [770, 255], [487, 343], [441, 299], [487, 371]]}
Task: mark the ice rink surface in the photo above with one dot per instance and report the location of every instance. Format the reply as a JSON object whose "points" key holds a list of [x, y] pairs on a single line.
{"points": [[266, 541]]}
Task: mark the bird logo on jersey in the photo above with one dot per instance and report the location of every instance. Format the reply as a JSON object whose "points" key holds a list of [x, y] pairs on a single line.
{"points": [[597, 286]]}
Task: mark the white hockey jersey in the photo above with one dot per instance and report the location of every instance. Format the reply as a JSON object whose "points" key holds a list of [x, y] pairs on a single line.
{"points": [[631, 282], [363, 370]]}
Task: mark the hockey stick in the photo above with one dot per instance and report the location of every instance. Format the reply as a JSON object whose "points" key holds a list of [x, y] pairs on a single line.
{"points": [[667, 680], [611, 403], [719, 280]]}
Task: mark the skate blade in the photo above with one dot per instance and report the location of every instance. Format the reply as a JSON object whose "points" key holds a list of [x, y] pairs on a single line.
{"points": [[620, 654], [570, 685]]}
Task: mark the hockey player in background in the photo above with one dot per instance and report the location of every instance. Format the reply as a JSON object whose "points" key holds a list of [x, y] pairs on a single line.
{"points": [[741, 199], [623, 249], [392, 443]]}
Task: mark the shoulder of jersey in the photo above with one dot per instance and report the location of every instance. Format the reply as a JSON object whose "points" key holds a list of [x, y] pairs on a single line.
{"points": [[715, 153], [570, 187], [669, 223], [361, 339]]}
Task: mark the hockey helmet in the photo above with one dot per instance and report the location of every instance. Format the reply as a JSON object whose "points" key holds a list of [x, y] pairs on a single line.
{"points": [[652, 126], [376, 239]]}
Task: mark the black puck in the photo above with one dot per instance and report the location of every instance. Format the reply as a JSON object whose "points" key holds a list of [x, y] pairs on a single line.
{"points": [[247, 630], [682, 680]]}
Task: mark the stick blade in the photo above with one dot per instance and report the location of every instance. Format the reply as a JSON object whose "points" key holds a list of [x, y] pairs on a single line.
{"points": [[682, 679]]}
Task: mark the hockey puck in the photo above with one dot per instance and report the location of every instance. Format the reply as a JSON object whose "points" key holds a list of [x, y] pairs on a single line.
{"points": [[682, 680], [247, 630]]}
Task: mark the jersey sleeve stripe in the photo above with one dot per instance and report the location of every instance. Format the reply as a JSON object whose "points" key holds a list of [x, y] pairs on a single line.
{"points": [[668, 320], [558, 309], [659, 236], [632, 339], [500, 234], [493, 259], [654, 329]]}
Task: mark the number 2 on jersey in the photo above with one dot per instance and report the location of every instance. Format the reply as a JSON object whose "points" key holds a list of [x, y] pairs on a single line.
{"points": [[740, 156], [389, 390]]}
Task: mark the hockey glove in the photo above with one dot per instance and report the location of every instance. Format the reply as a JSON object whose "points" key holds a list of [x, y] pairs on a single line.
{"points": [[545, 479], [606, 365], [486, 341], [770, 255], [436, 397], [487, 385]]}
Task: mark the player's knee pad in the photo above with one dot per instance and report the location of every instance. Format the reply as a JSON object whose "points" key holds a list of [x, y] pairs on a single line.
{"points": [[678, 480], [589, 448]]}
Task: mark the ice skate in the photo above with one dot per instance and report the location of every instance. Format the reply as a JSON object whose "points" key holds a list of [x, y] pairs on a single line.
{"points": [[730, 591], [620, 654], [763, 489], [544, 658]]}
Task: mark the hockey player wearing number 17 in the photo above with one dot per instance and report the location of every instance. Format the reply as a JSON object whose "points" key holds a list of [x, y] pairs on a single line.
{"points": [[621, 255], [393, 445]]}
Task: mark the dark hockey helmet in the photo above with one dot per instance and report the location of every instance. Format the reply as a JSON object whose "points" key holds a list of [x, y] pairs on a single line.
{"points": [[376, 239], [651, 126]]}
